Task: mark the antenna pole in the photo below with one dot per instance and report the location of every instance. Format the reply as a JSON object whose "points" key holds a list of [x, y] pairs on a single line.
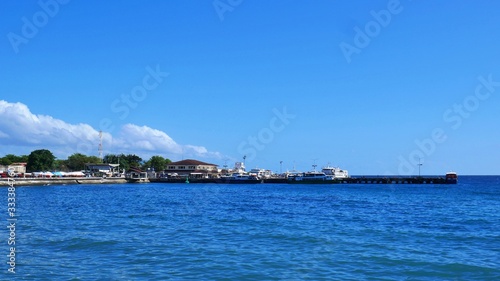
{"points": [[100, 147], [419, 165]]}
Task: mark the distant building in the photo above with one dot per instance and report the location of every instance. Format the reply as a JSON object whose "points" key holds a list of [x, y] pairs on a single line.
{"points": [[136, 175], [106, 169], [191, 168], [15, 168]]}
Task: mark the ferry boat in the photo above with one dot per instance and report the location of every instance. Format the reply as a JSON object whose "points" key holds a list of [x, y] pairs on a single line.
{"points": [[260, 173], [239, 178], [337, 173], [313, 176], [451, 178]]}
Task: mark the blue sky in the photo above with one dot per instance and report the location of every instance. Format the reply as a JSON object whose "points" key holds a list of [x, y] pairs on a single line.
{"points": [[371, 86]]}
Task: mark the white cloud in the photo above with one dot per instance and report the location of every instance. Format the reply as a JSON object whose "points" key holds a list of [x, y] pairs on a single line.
{"points": [[148, 139], [26, 129], [3, 135], [21, 128]]}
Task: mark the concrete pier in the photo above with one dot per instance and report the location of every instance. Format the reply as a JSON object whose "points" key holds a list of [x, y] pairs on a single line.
{"points": [[350, 180], [59, 181], [382, 180]]}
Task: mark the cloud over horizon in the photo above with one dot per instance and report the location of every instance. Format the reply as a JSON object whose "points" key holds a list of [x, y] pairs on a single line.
{"points": [[20, 128]]}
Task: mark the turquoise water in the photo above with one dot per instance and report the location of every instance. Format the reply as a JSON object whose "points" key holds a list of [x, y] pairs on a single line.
{"points": [[257, 232]]}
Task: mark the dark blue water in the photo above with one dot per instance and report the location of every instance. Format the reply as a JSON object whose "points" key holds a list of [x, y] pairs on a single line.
{"points": [[256, 232]]}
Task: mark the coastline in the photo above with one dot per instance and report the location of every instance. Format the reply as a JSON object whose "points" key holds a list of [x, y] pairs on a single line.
{"points": [[349, 180], [59, 181], [4, 182]]}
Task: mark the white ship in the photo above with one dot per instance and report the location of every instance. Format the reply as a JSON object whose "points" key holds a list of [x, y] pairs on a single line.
{"points": [[336, 173], [313, 176], [260, 173]]}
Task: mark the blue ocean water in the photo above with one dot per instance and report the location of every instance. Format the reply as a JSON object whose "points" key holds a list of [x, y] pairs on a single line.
{"points": [[257, 232]]}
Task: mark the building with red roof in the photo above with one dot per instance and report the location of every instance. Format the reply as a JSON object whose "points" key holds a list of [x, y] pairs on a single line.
{"points": [[192, 169]]}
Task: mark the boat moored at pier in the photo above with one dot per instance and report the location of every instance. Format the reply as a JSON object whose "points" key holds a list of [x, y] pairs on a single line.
{"points": [[336, 173], [313, 176], [239, 178], [451, 178]]}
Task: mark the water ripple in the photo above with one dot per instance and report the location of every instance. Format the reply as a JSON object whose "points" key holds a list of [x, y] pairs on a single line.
{"points": [[264, 232]]}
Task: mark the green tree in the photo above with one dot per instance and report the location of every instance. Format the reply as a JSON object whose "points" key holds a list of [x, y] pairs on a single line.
{"points": [[11, 158], [134, 160], [22, 159], [111, 158], [61, 165], [77, 161], [125, 161], [157, 163], [40, 160]]}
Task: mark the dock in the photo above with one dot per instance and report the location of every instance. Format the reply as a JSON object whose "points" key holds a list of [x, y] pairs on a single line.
{"points": [[59, 181], [349, 180], [384, 180]]}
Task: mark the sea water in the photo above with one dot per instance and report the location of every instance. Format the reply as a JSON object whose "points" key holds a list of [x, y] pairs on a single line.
{"points": [[255, 232]]}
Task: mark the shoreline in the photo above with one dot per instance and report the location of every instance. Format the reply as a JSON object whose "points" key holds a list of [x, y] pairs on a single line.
{"points": [[350, 180], [4, 182], [59, 181]]}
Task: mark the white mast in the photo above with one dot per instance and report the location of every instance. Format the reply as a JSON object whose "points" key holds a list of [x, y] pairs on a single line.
{"points": [[100, 147]]}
